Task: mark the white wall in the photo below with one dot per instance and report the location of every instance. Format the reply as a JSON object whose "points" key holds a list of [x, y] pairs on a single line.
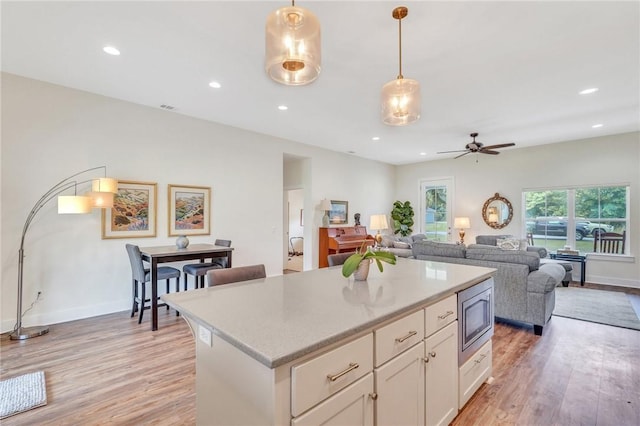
{"points": [[50, 132], [603, 160]]}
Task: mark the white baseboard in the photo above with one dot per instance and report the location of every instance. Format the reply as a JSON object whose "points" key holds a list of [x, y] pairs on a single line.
{"points": [[622, 282], [57, 317]]}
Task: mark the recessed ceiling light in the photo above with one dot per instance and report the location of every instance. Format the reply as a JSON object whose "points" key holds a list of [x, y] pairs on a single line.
{"points": [[215, 85], [423, 153], [283, 107], [596, 126], [589, 91], [111, 50], [375, 138]]}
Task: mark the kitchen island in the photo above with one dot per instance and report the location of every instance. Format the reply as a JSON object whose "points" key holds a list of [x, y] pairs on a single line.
{"points": [[261, 343]]}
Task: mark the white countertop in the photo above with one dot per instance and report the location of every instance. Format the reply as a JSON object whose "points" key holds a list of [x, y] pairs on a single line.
{"points": [[278, 319]]}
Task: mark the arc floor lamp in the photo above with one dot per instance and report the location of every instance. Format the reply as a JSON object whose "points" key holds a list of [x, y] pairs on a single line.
{"points": [[100, 196]]}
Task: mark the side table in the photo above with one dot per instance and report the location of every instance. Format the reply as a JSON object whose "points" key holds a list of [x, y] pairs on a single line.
{"points": [[573, 258]]}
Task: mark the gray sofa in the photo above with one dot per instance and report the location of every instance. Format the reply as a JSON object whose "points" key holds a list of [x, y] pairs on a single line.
{"points": [[492, 240], [524, 289], [400, 246]]}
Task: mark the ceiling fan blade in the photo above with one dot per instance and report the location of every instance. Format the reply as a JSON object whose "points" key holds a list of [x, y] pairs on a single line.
{"points": [[458, 156], [448, 152], [488, 151], [502, 145]]}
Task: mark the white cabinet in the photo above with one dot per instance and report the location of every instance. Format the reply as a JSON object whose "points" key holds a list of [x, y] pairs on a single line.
{"points": [[441, 372], [400, 389], [351, 406], [474, 372]]}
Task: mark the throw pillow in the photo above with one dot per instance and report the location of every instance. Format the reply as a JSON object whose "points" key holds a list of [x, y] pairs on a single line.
{"points": [[508, 243], [401, 245], [524, 244]]}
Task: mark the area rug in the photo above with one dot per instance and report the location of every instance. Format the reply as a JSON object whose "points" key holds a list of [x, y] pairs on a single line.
{"points": [[22, 393], [603, 307]]}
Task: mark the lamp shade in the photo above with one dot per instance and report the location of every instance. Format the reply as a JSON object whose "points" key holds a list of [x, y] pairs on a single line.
{"points": [[74, 204], [401, 102], [101, 200], [378, 222], [493, 217], [325, 205], [105, 185], [461, 223], [292, 46]]}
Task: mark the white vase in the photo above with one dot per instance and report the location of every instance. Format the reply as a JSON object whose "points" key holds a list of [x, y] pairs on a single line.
{"points": [[362, 272], [182, 242]]}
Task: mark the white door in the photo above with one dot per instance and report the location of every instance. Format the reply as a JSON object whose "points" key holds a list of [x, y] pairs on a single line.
{"points": [[436, 207]]}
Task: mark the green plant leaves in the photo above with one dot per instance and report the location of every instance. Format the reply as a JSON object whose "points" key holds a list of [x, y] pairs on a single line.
{"points": [[351, 264], [402, 215]]}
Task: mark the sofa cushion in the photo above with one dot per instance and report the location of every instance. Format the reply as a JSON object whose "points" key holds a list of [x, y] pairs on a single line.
{"points": [[490, 240], [401, 245], [418, 237], [494, 254], [388, 240], [508, 243], [433, 248]]}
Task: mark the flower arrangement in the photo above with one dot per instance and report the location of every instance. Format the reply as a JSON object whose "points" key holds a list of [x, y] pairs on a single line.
{"points": [[353, 262]]}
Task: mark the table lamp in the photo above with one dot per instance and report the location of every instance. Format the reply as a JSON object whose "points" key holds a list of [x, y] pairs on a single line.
{"points": [[377, 223], [461, 223], [326, 206]]}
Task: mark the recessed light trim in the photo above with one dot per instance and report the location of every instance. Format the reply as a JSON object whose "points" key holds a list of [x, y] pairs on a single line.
{"points": [[423, 153], [589, 91], [215, 85], [283, 107], [111, 50], [375, 138], [597, 126]]}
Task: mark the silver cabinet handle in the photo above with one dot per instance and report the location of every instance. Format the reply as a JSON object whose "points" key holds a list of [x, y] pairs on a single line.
{"points": [[448, 313], [478, 361], [403, 338], [373, 396], [352, 366], [432, 354], [426, 360]]}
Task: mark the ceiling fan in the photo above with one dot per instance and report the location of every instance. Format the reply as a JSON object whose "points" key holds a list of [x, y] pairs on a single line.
{"points": [[478, 147]]}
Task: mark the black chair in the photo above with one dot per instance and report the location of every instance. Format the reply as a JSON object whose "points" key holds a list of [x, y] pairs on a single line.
{"points": [[199, 270], [232, 275], [337, 259], [609, 242], [141, 275]]}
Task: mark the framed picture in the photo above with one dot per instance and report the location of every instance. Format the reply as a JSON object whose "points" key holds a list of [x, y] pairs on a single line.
{"points": [[134, 211], [339, 212], [189, 210]]}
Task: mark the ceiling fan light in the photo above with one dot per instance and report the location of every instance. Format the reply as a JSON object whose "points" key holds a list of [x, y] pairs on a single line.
{"points": [[400, 101], [292, 46]]}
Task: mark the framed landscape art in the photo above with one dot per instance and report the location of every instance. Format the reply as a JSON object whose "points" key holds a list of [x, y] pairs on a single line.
{"points": [[189, 210], [133, 214], [339, 213]]}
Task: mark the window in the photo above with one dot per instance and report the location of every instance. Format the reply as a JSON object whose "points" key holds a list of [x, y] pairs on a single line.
{"points": [[560, 218], [435, 215]]}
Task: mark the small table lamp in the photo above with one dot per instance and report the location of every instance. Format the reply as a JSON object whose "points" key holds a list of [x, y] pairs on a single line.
{"points": [[377, 223], [326, 206], [461, 223]]}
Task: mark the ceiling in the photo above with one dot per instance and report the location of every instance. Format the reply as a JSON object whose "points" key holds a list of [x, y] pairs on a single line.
{"points": [[510, 71]]}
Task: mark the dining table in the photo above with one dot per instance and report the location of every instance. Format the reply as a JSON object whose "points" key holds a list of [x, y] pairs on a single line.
{"points": [[163, 254]]}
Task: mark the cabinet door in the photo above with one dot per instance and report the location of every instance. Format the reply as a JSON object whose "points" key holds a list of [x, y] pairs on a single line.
{"points": [[400, 389], [351, 406], [441, 351]]}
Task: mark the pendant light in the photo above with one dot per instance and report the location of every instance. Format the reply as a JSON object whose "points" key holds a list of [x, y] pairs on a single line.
{"points": [[400, 97], [292, 48]]}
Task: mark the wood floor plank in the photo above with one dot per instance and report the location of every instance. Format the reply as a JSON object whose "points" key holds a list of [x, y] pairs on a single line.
{"points": [[112, 370]]}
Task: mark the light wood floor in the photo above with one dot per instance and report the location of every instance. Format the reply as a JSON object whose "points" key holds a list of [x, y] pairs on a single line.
{"points": [[110, 370]]}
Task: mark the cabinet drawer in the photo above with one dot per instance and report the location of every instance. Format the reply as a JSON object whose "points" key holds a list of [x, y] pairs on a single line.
{"points": [[474, 372], [321, 377], [398, 336], [440, 314]]}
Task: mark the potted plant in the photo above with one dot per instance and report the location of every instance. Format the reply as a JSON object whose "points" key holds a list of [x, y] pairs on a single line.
{"points": [[359, 262], [402, 215]]}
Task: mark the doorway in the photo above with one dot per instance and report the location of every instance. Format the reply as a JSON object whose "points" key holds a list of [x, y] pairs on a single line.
{"points": [[295, 230]]}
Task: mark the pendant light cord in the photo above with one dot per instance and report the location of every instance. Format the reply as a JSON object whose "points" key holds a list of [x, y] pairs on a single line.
{"points": [[400, 48]]}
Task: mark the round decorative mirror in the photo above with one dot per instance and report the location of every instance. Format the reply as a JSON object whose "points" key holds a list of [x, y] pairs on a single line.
{"points": [[497, 212]]}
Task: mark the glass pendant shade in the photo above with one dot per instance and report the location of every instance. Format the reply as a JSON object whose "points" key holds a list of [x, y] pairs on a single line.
{"points": [[400, 102], [102, 200], [74, 204], [292, 49], [105, 185]]}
